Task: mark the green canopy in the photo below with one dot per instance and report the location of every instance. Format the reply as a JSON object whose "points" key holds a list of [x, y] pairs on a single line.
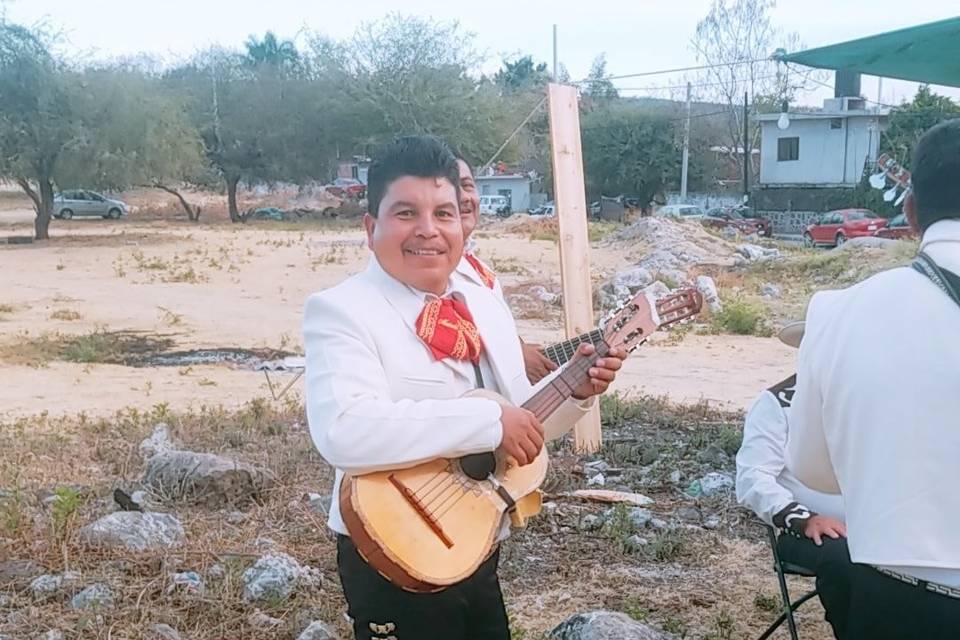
{"points": [[927, 53]]}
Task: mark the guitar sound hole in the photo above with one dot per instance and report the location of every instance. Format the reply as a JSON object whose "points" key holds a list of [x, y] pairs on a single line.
{"points": [[478, 466]]}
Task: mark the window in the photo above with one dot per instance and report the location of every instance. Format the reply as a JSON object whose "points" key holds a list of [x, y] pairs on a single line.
{"points": [[788, 149], [836, 123]]}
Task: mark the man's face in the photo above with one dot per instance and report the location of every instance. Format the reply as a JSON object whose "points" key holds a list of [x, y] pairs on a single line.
{"points": [[469, 199], [417, 236]]}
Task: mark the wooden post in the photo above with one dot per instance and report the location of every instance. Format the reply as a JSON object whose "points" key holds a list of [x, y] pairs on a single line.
{"points": [[570, 202]]}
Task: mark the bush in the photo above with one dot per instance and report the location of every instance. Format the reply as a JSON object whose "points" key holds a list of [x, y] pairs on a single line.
{"points": [[742, 318]]}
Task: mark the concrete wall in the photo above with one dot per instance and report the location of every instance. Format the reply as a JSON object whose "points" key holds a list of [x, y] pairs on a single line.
{"points": [[827, 156], [518, 188], [790, 209], [706, 201]]}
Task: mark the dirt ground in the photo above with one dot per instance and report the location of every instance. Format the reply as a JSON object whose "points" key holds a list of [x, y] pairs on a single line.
{"points": [[216, 285], [243, 286]]}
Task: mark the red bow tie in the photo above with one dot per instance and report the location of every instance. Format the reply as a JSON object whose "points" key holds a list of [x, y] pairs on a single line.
{"points": [[446, 326], [485, 274]]}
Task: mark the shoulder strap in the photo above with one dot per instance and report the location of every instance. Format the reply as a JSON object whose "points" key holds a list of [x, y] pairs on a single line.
{"points": [[948, 281]]}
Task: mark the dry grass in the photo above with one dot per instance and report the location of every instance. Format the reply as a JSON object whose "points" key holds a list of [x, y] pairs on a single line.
{"points": [[68, 315], [111, 347], [701, 584]]}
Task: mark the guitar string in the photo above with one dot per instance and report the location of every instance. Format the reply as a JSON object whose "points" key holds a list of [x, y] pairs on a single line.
{"points": [[450, 482], [435, 513], [438, 474], [444, 478]]}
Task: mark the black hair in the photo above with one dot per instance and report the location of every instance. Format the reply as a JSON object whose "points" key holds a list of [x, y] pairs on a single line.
{"points": [[419, 156], [936, 174]]}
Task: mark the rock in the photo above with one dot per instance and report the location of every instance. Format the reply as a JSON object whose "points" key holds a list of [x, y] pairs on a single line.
{"points": [[53, 634], [659, 524], [158, 442], [317, 631], [5, 601], [597, 481], [676, 275], [649, 455], [275, 576], [216, 572], [633, 279], [164, 632], [713, 456], [756, 253], [712, 522], [866, 241], [605, 625], [265, 544], [708, 289], [96, 596], [639, 517], [236, 517], [595, 466], [260, 620], [140, 498], [770, 290], [319, 503], [186, 582], [49, 586], [676, 476], [657, 290], [689, 514], [710, 484], [205, 478], [591, 522], [14, 572], [635, 543], [134, 531], [541, 293]]}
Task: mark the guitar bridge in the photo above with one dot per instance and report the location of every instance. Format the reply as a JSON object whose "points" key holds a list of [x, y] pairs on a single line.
{"points": [[421, 510]]}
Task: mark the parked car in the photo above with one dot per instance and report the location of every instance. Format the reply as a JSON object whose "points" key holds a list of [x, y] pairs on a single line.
{"points": [[740, 218], [494, 205], [547, 209], [347, 188], [836, 227], [79, 202], [896, 228], [681, 211]]}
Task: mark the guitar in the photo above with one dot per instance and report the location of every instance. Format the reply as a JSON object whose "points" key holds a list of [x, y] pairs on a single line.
{"points": [[427, 527], [891, 169], [561, 352]]}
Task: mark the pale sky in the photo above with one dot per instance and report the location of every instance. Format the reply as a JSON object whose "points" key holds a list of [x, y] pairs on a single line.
{"points": [[636, 35]]}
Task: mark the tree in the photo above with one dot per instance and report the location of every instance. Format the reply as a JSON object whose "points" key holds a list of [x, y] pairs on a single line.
{"points": [[629, 150], [737, 38], [909, 121], [521, 75], [280, 54], [598, 89]]}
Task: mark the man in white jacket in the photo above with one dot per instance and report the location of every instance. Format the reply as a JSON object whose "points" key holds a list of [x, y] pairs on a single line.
{"points": [[390, 352], [810, 523], [876, 416]]}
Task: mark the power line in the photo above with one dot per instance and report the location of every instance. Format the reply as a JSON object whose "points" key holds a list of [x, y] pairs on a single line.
{"points": [[677, 70], [515, 132], [694, 86]]}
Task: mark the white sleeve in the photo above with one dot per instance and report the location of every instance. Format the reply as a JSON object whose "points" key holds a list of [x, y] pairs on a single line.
{"points": [[807, 453], [355, 423], [761, 459]]}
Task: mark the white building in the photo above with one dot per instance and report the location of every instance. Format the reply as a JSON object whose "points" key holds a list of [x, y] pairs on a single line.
{"points": [[514, 186], [825, 148]]}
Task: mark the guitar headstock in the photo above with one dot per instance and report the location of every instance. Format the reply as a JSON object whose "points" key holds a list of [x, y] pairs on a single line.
{"points": [[632, 324], [891, 170]]}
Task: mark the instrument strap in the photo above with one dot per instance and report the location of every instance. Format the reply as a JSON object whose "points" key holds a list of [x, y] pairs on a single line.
{"points": [[948, 281]]}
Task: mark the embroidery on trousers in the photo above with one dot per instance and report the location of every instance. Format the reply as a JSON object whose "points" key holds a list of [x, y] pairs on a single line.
{"points": [[383, 630]]}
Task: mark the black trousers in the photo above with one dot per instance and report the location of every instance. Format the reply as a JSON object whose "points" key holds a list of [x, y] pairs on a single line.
{"points": [[884, 608], [469, 610], [832, 566]]}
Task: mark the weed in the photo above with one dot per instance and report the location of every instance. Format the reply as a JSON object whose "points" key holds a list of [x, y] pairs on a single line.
{"points": [[633, 607], [13, 515], [6, 309], [765, 602], [64, 510], [742, 318], [169, 317], [667, 546], [65, 314], [675, 625]]}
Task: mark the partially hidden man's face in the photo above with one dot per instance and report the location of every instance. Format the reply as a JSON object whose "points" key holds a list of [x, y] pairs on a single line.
{"points": [[417, 236], [469, 199]]}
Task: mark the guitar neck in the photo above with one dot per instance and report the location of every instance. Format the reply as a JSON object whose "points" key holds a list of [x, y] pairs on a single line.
{"points": [[562, 352], [547, 400]]}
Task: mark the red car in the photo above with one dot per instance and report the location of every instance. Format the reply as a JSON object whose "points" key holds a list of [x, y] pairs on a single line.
{"points": [[836, 227], [897, 228], [740, 218], [347, 188]]}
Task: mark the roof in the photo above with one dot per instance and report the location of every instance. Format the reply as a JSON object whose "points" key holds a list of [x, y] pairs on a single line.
{"points": [[504, 176], [823, 115], [925, 53]]}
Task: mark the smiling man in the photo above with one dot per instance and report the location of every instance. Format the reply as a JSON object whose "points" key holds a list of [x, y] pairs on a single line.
{"points": [[390, 353]]}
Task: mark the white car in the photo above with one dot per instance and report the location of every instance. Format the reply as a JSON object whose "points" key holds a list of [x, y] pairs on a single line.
{"points": [[681, 211], [494, 205]]}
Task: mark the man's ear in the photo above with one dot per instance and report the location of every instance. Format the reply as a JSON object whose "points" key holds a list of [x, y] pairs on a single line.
{"points": [[369, 223], [910, 209]]}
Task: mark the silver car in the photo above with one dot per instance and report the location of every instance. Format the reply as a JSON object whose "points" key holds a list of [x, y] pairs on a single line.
{"points": [[78, 202]]}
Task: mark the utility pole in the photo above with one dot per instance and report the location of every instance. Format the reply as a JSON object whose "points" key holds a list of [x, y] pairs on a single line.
{"points": [[746, 151], [686, 151], [556, 72]]}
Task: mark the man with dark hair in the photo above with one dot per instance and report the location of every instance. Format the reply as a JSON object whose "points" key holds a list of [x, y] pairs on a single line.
{"points": [[875, 415], [390, 353]]}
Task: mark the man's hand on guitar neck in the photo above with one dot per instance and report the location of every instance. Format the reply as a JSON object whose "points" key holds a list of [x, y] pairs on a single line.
{"points": [[522, 434], [537, 364], [602, 373]]}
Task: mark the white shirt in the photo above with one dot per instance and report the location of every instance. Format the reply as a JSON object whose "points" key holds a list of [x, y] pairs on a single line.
{"points": [[764, 483], [876, 415]]}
